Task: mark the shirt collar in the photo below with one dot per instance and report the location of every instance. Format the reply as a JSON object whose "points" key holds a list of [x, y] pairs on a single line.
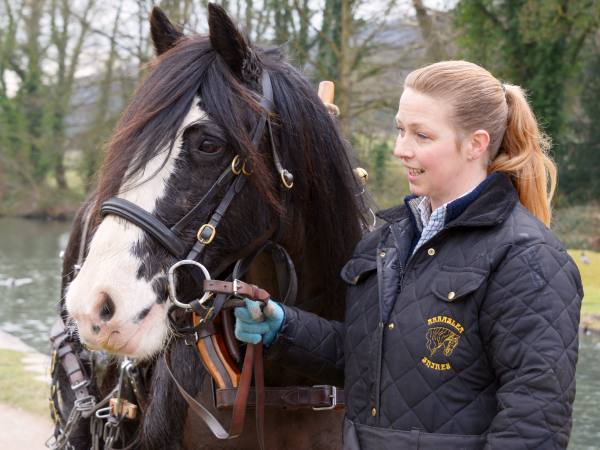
{"points": [[424, 207]]}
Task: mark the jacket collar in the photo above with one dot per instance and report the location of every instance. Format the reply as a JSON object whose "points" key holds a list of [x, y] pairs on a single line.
{"points": [[496, 197]]}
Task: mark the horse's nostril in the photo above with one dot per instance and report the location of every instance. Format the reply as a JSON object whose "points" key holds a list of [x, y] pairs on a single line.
{"points": [[108, 308]]}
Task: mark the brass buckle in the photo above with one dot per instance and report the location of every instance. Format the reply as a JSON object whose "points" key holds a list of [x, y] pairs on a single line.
{"points": [[208, 240], [236, 167], [119, 407], [332, 397]]}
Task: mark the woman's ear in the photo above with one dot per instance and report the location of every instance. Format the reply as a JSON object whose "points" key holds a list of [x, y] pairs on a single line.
{"points": [[478, 144], [164, 34]]}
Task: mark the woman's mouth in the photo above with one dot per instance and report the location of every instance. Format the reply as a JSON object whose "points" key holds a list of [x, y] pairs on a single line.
{"points": [[415, 172]]}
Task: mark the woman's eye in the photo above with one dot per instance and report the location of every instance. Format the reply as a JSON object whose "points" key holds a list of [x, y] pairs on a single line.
{"points": [[401, 130], [422, 136]]}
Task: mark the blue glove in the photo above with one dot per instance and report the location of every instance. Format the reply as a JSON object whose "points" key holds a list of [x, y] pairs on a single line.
{"points": [[253, 324]]}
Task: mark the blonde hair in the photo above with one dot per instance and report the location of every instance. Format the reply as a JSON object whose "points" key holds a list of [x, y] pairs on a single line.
{"points": [[517, 146]]}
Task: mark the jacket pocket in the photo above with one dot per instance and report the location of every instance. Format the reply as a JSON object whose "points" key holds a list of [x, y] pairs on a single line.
{"points": [[358, 268], [371, 438], [452, 284]]}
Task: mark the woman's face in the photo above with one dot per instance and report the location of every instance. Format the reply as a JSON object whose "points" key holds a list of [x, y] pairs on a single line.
{"points": [[435, 157]]}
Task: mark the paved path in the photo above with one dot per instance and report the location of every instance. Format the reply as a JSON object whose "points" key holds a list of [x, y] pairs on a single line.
{"points": [[21, 430]]}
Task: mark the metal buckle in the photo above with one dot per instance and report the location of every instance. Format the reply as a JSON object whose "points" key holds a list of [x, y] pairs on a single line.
{"points": [[85, 404], [236, 285], [79, 385], [332, 396], [103, 413], [208, 240]]}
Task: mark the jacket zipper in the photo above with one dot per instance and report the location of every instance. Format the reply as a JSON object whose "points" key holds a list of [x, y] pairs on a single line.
{"points": [[379, 334], [381, 325]]}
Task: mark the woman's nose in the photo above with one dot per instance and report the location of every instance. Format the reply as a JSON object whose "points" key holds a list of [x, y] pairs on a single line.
{"points": [[402, 149]]}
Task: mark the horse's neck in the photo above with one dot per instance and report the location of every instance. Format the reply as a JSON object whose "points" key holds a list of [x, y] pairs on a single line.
{"points": [[263, 274], [310, 292]]}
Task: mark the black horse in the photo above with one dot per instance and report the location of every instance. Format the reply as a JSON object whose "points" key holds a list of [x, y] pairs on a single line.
{"points": [[192, 115]]}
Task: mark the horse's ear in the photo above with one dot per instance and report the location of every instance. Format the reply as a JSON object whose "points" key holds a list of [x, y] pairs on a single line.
{"points": [[164, 33], [226, 39]]}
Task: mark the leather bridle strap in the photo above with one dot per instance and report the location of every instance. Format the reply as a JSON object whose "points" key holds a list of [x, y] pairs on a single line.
{"points": [[216, 217], [147, 222], [185, 220]]}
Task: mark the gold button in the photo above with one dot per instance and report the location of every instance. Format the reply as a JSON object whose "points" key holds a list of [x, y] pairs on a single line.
{"points": [[391, 326], [431, 251], [451, 295], [373, 412], [382, 254]]}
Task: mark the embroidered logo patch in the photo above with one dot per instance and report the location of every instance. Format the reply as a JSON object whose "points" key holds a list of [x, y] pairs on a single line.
{"points": [[442, 338]]}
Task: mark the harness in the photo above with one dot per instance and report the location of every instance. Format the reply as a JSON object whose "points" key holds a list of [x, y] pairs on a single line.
{"points": [[211, 330]]}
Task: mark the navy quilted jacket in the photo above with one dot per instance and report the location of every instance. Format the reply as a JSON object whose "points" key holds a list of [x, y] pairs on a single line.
{"points": [[479, 345]]}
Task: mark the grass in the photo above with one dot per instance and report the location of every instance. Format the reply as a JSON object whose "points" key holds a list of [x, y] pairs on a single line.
{"points": [[19, 387], [590, 275], [578, 226]]}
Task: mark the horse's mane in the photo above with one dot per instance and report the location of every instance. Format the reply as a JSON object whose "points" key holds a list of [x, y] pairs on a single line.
{"points": [[325, 192]]}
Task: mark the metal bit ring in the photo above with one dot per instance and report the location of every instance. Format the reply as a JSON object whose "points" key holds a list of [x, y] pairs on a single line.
{"points": [[173, 289]]}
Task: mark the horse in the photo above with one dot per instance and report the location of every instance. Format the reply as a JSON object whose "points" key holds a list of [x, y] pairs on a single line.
{"points": [[192, 117]]}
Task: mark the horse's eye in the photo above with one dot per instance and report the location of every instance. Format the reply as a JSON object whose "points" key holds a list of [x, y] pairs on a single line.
{"points": [[209, 147]]}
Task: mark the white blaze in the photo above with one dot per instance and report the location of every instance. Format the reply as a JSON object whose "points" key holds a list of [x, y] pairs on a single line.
{"points": [[111, 267]]}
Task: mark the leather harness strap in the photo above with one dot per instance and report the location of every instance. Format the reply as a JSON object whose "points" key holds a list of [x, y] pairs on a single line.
{"points": [[69, 360], [289, 397], [237, 288]]}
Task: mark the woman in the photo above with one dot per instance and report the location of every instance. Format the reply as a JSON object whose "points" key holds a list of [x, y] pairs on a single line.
{"points": [[462, 311]]}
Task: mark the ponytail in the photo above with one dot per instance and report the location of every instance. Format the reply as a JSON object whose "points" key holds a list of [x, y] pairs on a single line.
{"points": [[523, 154]]}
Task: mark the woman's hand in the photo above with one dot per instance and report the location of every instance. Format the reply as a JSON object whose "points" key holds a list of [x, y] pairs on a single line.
{"points": [[253, 324]]}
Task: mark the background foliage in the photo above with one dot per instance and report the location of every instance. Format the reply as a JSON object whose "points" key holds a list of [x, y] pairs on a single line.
{"points": [[67, 68]]}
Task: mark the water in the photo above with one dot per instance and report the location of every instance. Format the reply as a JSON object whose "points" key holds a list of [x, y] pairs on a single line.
{"points": [[29, 291], [30, 278]]}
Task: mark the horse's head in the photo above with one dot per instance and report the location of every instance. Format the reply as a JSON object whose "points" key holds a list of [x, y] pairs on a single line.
{"points": [[195, 112]]}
